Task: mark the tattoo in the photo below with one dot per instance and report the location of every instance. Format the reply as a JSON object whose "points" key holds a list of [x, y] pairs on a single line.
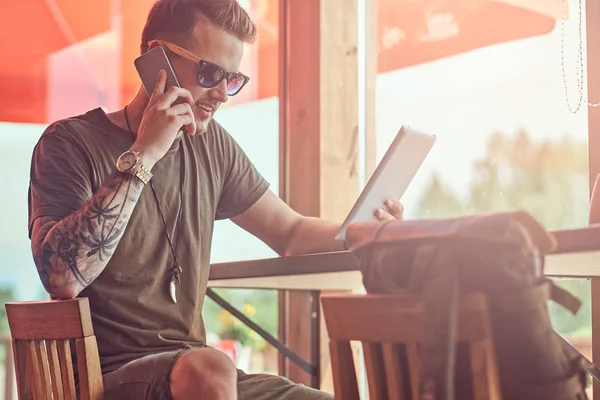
{"points": [[68, 250], [72, 253], [99, 240]]}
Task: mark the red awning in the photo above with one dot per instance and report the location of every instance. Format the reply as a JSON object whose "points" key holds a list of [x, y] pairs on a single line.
{"points": [[62, 57], [31, 32], [415, 32]]}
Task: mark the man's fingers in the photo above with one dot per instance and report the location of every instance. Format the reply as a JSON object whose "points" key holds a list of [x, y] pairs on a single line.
{"points": [[191, 128], [392, 210], [174, 92], [159, 87], [395, 208], [383, 215], [188, 122], [180, 109]]}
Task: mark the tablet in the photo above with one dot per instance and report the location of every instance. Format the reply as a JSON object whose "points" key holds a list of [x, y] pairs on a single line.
{"points": [[392, 176]]}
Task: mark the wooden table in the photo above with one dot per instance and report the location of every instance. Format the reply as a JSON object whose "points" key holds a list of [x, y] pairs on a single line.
{"points": [[577, 256]]}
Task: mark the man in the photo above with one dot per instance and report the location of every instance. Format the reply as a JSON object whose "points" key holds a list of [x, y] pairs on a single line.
{"points": [[122, 208]]}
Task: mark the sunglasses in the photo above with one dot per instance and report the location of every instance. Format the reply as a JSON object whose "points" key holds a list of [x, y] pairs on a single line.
{"points": [[209, 74]]}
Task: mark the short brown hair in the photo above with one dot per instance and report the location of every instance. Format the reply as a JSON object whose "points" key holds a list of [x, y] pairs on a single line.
{"points": [[177, 18]]}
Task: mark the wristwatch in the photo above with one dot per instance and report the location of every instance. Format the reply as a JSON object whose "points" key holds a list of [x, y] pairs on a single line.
{"points": [[131, 163]]}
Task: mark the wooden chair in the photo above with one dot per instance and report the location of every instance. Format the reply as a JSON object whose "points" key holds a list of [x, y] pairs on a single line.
{"points": [[390, 328], [42, 334]]}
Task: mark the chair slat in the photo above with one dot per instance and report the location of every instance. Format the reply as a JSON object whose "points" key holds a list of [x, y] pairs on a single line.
{"points": [[66, 369], [414, 366], [375, 371], [344, 379], [485, 384], [492, 372], [55, 375], [40, 348], [393, 370], [88, 364], [23, 368], [36, 373]]}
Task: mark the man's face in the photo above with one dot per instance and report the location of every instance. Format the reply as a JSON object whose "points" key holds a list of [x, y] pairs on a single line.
{"points": [[216, 46]]}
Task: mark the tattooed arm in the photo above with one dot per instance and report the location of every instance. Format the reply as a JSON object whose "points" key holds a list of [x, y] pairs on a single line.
{"points": [[72, 252]]}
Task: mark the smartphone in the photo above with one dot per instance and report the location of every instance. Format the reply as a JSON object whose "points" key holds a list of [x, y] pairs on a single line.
{"points": [[149, 64]]}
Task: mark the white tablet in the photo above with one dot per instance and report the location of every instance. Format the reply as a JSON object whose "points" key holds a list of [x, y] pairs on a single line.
{"points": [[392, 176]]}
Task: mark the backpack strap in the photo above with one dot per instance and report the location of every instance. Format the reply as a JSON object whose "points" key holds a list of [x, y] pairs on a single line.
{"points": [[436, 273]]}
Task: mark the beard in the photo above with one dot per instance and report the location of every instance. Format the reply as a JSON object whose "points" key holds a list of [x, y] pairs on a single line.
{"points": [[202, 125], [202, 120]]}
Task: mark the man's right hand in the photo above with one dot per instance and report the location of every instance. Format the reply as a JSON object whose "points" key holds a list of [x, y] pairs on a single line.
{"points": [[162, 120]]}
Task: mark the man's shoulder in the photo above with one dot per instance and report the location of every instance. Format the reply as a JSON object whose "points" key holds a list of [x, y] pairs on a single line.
{"points": [[70, 128]]}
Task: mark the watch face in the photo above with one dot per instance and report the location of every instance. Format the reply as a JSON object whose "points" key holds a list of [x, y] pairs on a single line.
{"points": [[127, 161]]}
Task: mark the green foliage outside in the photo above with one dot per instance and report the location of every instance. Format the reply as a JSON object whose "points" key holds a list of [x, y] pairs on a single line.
{"points": [[261, 306]]}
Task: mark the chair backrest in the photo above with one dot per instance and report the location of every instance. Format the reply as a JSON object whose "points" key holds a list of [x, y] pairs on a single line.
{"points": [[43, 334], [390, 328]]}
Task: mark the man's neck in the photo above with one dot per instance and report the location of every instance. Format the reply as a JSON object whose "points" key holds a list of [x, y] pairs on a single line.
{"points": [[135, 111]]}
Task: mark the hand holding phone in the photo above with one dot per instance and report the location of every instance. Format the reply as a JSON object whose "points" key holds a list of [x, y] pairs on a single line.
{"points": [[169, 109], [162, 120]]}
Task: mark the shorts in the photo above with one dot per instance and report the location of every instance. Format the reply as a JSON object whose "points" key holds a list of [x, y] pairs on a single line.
{"points": [[148, 378]]}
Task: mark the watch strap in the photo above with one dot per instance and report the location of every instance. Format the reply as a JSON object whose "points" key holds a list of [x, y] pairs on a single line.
{"points": [[142, 173]]}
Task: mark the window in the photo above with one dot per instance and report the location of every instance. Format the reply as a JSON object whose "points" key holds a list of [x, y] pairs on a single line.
{"points": [[492, 91]]}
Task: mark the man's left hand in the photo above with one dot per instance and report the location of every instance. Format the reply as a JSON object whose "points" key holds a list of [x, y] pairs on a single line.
{"points": [[391, 210]]}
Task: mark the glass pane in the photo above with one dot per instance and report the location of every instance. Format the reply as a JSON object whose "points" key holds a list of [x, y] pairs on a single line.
{"points": [[252, 118], [488, 81], [18, 276], [255, 126]]}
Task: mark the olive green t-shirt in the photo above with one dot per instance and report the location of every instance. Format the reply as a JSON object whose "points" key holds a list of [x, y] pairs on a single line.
{"points": [[132, 312]]}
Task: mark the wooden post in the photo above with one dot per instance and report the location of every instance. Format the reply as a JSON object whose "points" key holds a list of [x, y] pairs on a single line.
{"points": [[318, 131], [371, 47], [593, 89]]}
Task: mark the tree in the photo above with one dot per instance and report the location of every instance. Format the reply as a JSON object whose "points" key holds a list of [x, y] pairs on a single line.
{"points": [[439, 201], [547, 179]]}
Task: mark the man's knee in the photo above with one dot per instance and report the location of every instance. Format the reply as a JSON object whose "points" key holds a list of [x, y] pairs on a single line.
{"points": [[207, 372]]}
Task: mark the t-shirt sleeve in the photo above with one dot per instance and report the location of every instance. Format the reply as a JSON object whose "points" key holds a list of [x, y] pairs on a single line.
{"points": [[59, 178], [243, 185]]}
